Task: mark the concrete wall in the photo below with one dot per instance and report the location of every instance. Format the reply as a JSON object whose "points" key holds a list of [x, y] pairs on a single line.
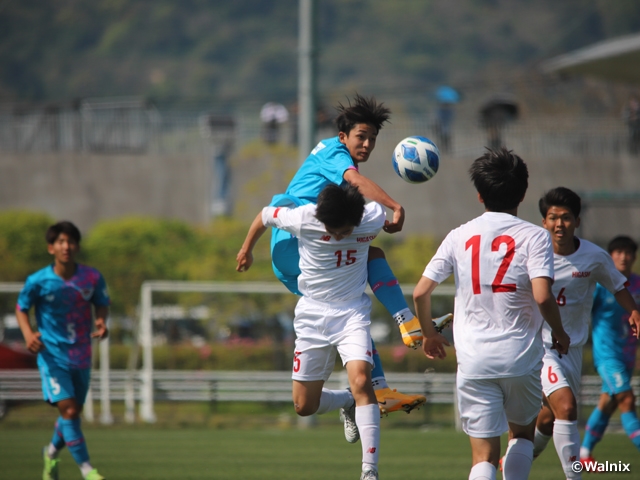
{"points": [[86, 188]]}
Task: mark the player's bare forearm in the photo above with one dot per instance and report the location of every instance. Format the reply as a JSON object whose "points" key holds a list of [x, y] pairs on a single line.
{"points": [[101, 331], [433, 343], [549, 309], [626, 301], [244, 258], [31, 338], [373, 191]]}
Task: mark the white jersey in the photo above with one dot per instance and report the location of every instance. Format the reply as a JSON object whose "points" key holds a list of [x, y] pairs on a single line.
{"points": [[576, 276], [331, 270], [496, 325]]}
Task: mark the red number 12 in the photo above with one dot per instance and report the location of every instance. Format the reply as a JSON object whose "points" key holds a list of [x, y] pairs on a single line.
{"points": [[496, 286]]}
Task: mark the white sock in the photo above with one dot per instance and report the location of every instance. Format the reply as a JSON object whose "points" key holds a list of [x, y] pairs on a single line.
{"points": [[85, 468], [483, 471], [333, 400], [379, 383], [403, 315], [368, 422], [540, 441], [585, 452], [517, 460], [567, 441], [52, 451]]}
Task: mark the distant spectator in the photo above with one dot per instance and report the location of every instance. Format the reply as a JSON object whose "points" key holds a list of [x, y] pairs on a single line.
{"points": [[447, 97], [272, 115], [631, 115], [495, 115]]}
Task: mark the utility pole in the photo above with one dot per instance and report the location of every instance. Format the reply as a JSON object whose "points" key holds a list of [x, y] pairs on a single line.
{"points": [[306, 78]]}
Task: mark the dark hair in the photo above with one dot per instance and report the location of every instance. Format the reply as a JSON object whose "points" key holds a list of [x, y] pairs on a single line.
{"points": [[54, 231], [501, 178], [364, 110], [338, 207], [622, 242], [560, 197]]}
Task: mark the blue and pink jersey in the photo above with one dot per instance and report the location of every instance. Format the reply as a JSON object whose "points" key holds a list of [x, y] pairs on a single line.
{"points": [[611, 333], [63, 312]]}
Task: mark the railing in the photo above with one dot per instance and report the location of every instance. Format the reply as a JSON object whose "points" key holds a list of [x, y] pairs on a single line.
{"points": [[253, 386]]}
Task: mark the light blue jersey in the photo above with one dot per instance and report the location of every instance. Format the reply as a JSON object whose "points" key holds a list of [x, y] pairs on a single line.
{"points": [[63, 312], [612, 338], [326, 164]]}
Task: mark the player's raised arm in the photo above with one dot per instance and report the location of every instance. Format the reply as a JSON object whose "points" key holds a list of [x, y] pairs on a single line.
{"points": [[433, 343], [373, 191], [245, 255], [627, 302], [548, 306]]}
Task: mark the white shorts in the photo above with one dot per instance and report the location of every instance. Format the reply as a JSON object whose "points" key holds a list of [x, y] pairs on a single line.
{"points": [[321, 328], [562, 372], [488, 405]]}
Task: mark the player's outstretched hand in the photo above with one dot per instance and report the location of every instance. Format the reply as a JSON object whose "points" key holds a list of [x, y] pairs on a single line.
{"points": [[34, 345], [245, 260], [560, 341], [634, 321], [396, 224], [433, 346]]}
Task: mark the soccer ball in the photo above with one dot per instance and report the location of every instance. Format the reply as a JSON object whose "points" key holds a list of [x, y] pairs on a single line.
{"points": [[416, 159]]}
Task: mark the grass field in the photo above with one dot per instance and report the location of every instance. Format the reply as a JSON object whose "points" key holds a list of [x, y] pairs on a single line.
{"points": [[249, 442]]}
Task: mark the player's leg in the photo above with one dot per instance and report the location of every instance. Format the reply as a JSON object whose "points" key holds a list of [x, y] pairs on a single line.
{"points": [[483, 418], [523, 396], [367, 415], [544, 429], [51, 390], [566, 437], [387, 290], [626, 402]]}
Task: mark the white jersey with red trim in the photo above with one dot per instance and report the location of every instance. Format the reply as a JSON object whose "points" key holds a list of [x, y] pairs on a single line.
{"points": [[331, 270], [496, 325], [576, 276]]}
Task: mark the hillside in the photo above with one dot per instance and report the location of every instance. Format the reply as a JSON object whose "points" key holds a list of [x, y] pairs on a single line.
{"points": [[246, 50]]}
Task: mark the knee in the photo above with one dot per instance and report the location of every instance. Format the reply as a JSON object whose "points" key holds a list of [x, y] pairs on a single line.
{"points": [[304, 407], [359, 383], [71, 412], [626, 401], [375, 252], [566, 410]]}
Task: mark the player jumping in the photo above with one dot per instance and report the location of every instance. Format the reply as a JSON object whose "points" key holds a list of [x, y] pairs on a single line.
{"points": [[336, 161]]}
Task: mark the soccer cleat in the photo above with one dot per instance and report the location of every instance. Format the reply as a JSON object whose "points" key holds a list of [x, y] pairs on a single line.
{"points": [[442, 322], [392, 401], [411, 332], [93, 475], [369, 475], [587, 461], [50, 471], [348, 416]]}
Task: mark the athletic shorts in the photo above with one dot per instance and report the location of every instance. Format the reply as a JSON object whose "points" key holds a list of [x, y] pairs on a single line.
{"points": [[616, 377], [562, 372], [321, 328], [62, 382], [285, 259], [488, 405]]}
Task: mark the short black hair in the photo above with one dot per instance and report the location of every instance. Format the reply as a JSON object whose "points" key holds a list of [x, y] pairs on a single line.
{"points": [[340, 206], [622, 242], [560, 197], [501, 178], [54, 231], [364, 110]]}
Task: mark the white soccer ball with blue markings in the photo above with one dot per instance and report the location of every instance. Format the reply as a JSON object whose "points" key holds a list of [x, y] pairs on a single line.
{"points": [[416, 159]]}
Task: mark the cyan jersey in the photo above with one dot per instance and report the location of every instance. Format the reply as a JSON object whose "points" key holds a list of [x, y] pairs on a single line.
{"points": [[326, 164], [611, 333], [63, 312]]}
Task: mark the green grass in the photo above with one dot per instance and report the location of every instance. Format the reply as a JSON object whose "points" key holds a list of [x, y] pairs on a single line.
{"points": [[267, 449]]}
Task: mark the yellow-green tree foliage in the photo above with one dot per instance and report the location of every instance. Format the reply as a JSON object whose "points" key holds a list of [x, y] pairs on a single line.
{"points": [[23, 248]]}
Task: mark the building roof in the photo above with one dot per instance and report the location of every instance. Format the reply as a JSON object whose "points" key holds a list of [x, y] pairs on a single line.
{"points": [[617, 59]]}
